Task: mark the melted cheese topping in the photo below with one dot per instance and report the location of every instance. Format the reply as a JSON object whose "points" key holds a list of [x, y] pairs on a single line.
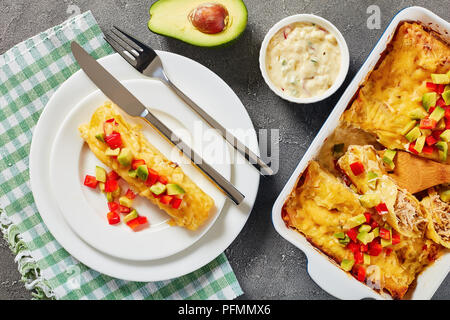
{"points": [[396, 87], [303, 60]]}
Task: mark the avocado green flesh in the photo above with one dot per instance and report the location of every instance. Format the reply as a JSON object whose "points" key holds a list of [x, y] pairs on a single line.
{"points": [[171, 18]]}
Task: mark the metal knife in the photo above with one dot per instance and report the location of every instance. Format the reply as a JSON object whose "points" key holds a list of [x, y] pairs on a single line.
{"points": [[120, 95]]}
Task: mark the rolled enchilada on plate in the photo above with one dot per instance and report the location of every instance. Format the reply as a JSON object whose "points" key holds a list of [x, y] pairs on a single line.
{"points": [[145, 168], [347, 205]]}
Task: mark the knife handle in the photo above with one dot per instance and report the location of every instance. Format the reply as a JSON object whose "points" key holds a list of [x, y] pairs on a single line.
{"points": [[223, 184]]}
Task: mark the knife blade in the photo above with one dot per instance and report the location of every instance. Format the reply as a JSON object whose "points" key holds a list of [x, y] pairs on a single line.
{"points": [[120, 95]]}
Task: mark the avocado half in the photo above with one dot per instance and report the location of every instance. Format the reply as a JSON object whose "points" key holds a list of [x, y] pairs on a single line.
{"points": [[170, 18]]}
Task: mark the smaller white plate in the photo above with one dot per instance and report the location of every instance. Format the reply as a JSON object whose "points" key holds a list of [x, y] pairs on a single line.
{"points": [[85, 209]]}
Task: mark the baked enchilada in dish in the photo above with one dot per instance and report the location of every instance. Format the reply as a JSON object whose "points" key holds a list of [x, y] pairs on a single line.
{"points": [[347, 205], [122, 147]]}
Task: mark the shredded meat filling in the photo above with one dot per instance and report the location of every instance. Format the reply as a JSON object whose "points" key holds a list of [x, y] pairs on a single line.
{"points": [[441, 217], [408, 214]]}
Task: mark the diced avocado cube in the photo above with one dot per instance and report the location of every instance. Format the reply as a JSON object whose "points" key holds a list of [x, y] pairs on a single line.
{"points": [[420, 142], [369, 200], [100, 174], [372, 179], [445, 195], [376, 232], [101, 185], [125, 157], [413, 134], [158, 188], [132, 215], [446, 96], [356, 221], [100, 137], [365, 237], [408, 127], [366, 259], [116, 193], [364, 228], [109, 197], [174, 189], [445, 135], [338, 150], [429, 100], [339, 235], [443, 150], [142, 172], [426, 132], [132, 173], [347, 264], [110, 152], [344, 241], [447, 87], [437, 114], [385, 243], [440, 78], [125, 201], [418, 114], [440, 125], [388, 158]]}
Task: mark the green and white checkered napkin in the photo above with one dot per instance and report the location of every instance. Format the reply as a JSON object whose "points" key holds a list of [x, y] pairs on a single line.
{"points": [[29, 74]]}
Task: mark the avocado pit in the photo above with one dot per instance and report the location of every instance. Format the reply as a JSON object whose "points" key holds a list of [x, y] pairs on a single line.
{"points": [[209, 18]]}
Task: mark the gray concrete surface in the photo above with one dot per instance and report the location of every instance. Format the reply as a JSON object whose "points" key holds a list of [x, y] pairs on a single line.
{"points": [[267, 266]]}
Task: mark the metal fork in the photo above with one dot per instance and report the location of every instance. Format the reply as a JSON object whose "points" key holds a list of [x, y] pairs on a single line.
{"points": [[146, 61]]}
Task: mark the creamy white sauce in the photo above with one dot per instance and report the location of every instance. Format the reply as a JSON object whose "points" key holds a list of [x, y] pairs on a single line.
{"points": [[303, 60]]}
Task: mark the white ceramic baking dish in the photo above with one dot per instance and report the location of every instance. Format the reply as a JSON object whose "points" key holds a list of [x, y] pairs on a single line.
{"points": [[321, 268]]}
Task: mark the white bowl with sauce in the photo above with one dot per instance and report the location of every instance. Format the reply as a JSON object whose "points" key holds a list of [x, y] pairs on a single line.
{"points": [[305, 68]]}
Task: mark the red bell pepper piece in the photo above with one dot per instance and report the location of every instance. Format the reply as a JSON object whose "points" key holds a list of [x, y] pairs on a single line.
{"points": [[431, 86], [163, 179], [142, 220], [111, 185], [431, 110], [374, 224], [436, 134], [440, 102], [440, 88], [395, 238], [165, 199], [427, 123], [428, 150], [361, 276], [375, 248], [152, 177], [411, 147], [358, 255], [388, 251], [113, 218], [431, 141], [113, 206], [114, 140], [382, 208], [353, 247], [357, 168], [90, 181], [352, 234], [110, 120], [447, 124], [447, 113], [123, 209], [112, 176], [130, 194], [368, 216], [364, 247], [136, 163], [133, 224], [175, 203], [385, 234]]}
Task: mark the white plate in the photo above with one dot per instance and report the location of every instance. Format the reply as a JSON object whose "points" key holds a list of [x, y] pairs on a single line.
{"points": [[321, 268], [217, 98], [85, 209]]}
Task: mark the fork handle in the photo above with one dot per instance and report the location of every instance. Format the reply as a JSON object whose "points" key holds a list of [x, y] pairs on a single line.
{"points": [[256, 161]]}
